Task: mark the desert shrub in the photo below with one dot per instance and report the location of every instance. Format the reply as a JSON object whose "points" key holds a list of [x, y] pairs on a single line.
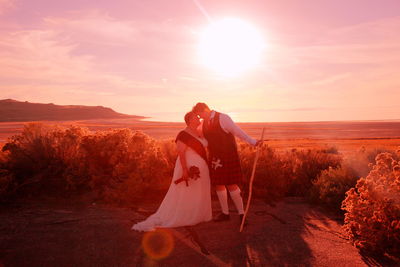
{"points": [[6, 178], [372, 218], [118, 165], [330, 187], [273, 173], [123, 165], [43, 157], [3, 159], [331, 150], [370, 154], [307, 165], [168, 149], [290, 173], [362, 161], [6, 181]]}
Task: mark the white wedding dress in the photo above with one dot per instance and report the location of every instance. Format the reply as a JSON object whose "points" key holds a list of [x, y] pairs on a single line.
{"points": [[183, 205]]}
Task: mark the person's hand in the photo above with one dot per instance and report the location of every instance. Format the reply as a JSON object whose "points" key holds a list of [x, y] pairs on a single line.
{"points": [[185, 176], [185, 173]]}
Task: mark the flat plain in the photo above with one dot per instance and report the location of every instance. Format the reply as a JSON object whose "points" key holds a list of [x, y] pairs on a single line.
{"points": [[346, 136]]}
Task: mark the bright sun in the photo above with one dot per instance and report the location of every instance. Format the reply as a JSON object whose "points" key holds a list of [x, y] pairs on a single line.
{"points": [[230, 46]]}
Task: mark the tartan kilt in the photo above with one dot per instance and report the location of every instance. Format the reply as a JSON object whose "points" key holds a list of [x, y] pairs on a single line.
{"points": [[229, 173]]}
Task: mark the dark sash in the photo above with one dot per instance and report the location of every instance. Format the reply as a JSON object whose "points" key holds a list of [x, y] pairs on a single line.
{"points": [[193, 143]]}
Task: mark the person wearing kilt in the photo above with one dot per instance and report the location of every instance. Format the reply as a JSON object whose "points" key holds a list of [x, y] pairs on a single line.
{"points": [[224, 163]]}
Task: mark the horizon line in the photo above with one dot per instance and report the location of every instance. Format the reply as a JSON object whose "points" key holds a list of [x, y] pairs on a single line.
{"points": [[259, 122]]}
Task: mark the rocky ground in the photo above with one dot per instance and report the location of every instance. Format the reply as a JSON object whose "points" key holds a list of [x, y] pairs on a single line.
{"points": [[289, 233]]}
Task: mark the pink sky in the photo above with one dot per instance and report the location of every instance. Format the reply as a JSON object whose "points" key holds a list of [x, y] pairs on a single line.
{"points": [[325, 60]]}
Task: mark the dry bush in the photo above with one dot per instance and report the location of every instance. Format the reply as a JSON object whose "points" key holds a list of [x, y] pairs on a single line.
{"points": [[366, 156], [123, 165], [43, 157], [372, 218], [291, 173], [330, 150], [119, 165], [307, 165], [331, 186], [168, 149], [370, 154], [6, 178], [273, 173]]}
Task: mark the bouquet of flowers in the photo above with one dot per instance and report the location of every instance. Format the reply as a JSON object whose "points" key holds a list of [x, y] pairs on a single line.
{"points": [[194, 174]]}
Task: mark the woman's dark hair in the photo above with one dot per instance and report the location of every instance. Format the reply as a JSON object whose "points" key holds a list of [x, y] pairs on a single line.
{"points": [[200, 107], [189, 116]]}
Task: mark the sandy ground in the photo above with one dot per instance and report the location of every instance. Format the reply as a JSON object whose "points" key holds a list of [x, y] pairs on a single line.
{"points": [[290, 233]]}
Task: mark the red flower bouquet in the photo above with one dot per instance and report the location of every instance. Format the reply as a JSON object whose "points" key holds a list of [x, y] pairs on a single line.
{"points": [[194, 174]]}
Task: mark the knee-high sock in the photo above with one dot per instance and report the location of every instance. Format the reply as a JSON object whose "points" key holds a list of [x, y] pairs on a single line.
{"points": [[237, 199], [223, 200]]}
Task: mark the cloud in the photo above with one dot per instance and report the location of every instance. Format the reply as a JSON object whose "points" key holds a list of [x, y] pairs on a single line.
{"points": [[68, 50], [348, 71], [331, 79], [278, 109], [89, 57], [93, 26], [6, 5], [98, 27], [342, 54], [37, 64], [142, 49]]}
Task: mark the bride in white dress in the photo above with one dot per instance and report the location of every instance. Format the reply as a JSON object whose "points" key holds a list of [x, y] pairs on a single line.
{"points": [[185, 205]]}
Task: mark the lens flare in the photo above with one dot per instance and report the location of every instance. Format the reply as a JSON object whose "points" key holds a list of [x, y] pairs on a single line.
{"points": [[158, 244]]}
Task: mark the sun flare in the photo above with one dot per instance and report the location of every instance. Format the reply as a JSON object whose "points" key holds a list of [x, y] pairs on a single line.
{"points": [[230, 46]]}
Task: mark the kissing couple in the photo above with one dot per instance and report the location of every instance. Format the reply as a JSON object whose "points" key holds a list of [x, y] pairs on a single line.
{"points": [[188, 200]]}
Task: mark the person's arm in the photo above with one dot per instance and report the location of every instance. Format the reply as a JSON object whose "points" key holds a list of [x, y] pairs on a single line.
{"points": [[181, 147], [229, 126]]}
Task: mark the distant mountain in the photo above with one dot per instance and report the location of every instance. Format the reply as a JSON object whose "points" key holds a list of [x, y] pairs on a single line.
{"points": [[13, 110]]}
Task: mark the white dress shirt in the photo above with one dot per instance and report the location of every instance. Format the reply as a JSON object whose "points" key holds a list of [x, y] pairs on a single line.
{"points": [[229, 126]]}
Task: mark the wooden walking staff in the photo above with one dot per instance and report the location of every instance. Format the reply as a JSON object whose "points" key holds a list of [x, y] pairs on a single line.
{"points": [[251, 183]]}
